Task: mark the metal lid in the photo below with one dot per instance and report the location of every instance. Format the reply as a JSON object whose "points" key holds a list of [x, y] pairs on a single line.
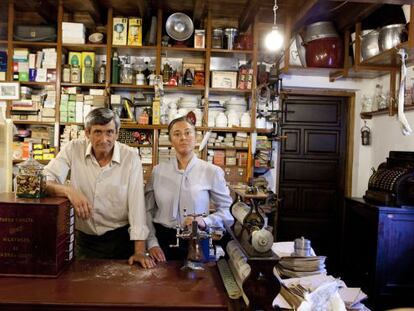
{"points": [[179, 26]]}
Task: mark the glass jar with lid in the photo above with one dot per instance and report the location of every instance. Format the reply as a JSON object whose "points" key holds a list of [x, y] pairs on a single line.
{"points": [[30, 181], [66, 73], [75, 74], [217, 38]]}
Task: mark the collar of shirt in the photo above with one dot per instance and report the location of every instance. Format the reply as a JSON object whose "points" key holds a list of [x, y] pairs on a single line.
{"points": [[190, 165], [116, 155]]}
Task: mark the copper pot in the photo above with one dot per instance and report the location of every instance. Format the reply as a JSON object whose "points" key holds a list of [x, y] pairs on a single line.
{"points": [[325, 53]]}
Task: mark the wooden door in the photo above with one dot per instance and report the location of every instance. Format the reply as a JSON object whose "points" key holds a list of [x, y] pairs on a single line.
{"points": [[312, 172]]}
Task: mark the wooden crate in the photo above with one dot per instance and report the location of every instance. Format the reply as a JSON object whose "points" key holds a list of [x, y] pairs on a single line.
{"points": [[36, 236]]}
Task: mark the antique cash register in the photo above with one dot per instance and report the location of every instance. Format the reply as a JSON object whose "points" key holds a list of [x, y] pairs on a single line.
{"points": [[392, 184]]}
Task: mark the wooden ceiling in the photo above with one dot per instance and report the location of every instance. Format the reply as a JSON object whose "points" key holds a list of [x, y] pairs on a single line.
{"points": [[301, 12]]}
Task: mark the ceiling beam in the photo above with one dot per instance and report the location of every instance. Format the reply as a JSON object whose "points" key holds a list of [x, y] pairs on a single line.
{"points": [[142, 7], [248, 14], [349, 18], [95, 11], [308, 9], [45, 10], [198, 10]]}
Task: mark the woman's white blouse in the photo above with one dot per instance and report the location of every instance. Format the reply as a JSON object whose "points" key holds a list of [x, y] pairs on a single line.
{"points": [[171, 192]]}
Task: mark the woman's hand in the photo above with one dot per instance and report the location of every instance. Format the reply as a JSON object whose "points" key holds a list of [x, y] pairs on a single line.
{"points": [[157, 253], [143, 258], [200, 222], [80, 203]]}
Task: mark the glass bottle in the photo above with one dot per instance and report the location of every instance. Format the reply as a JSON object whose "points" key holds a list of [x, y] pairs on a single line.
{"points": [[115, 68], [75, 74], [66, 73], [102, 72]]}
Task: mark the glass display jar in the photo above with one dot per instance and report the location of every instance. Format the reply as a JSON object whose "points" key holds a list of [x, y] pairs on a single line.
{"points": [[30, 181], [75, 74], [217, 38], [66, 73]]}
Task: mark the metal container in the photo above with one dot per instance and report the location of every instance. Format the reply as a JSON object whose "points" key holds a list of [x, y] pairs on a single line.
{"points": [[325, 53], [302, 247], [217, 38], [320, 30], [391, 35], [231, 34], [369, 44]]}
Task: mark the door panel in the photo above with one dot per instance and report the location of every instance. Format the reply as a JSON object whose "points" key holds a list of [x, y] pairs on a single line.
{"points": [[312, 171]]}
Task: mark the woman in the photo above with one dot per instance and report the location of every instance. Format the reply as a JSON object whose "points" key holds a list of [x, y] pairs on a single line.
{"points": [[185, 183]]}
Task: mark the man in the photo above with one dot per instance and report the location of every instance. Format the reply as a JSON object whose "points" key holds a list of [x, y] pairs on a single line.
{"points": [[106, 191]]}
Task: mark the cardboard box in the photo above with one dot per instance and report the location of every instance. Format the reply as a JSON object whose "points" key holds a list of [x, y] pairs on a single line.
{"points": [[75, 58], [224, 79], [88, 62], [156, 112], [135, 31], [119, 31]]}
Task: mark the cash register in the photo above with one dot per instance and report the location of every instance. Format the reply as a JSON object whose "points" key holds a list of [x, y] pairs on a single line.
{"points": [[392, 184]]}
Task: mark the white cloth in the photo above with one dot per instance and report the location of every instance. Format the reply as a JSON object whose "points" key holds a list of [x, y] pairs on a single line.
{"points": [[171, 190], [115, 191]]}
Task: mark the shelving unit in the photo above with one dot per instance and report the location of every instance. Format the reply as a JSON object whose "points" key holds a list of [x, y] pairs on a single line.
{"points": [[155, 51]]}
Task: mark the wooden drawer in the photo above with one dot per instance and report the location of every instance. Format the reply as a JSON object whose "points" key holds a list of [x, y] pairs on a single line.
{"points": [[235, 174]]}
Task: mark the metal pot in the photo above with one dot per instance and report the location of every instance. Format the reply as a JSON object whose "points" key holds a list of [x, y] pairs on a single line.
{"points": [[325, 53], [301, 49], [320, 30], [391, 35], [369, 44]]}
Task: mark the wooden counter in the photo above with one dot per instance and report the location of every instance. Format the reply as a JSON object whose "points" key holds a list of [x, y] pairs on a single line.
{"points": [[114, 285]]}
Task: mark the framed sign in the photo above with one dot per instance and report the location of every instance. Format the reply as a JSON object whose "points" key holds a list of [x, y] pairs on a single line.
{"points": [[9, 90]]}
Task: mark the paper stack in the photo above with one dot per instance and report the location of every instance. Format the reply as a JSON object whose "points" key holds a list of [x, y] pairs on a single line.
{"points": [[290, 266], [352, 298]]}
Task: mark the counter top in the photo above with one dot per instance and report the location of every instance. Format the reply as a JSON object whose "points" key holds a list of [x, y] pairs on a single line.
{"points": [[114, 285]]}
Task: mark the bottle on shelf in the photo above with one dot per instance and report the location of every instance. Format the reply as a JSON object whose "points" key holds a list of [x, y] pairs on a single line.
{"points": [[102, 73], [115, 68]]}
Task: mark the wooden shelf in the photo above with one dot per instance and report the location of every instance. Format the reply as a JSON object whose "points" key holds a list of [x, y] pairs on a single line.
{"points": [[35, 83], [139, 145], [83, 84], [131, 86], [369, 115], [34, 44], [142, 126], [71, 123], [390, 57], [101, 48], [5, 42], [33, 122], [144, 47], [136, 50], [182, 49], [224, 51], [40, 161], [264, 131], [193, 88], [227, 148], [233, 91], [227, 129]]}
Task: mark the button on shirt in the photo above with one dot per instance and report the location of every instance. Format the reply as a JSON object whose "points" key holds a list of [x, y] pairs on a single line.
{"points": [[172, 190], [115, 191]]}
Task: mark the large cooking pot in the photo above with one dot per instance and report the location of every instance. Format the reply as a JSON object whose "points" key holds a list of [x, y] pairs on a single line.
{"points": [[391, 35], [325, 53], [319, 30], [369, 44]]}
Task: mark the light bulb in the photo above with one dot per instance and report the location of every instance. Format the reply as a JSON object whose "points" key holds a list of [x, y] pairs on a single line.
{"points": [[274, 40]]}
